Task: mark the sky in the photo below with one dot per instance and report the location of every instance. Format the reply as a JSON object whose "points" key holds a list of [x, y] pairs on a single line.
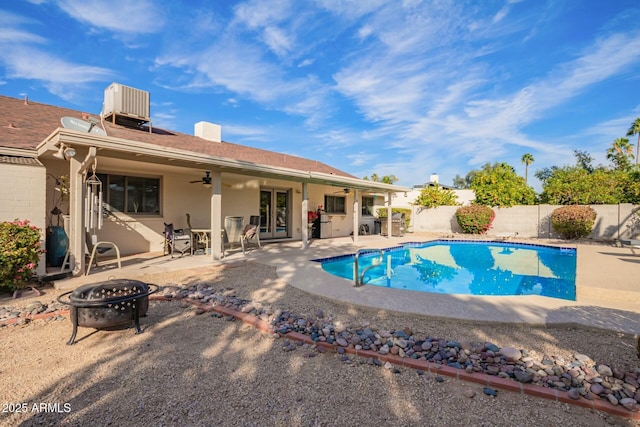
{"points": [[405, 88]]}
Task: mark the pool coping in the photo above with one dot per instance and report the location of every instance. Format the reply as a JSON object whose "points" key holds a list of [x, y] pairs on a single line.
{"points": [[613, 306], [430, 243]]}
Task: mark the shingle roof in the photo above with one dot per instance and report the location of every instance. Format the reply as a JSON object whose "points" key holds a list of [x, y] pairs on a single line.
{"points": [[24, 125]]}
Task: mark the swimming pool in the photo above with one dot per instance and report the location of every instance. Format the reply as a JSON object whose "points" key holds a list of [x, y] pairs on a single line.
{"points": [[466, 267]]}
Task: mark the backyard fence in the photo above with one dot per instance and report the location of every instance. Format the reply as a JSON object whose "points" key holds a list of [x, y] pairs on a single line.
{"points": [[612, 221]]}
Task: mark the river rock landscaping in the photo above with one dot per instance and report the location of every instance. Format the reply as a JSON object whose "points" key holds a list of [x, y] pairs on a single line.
{"points": [[579, 376]]}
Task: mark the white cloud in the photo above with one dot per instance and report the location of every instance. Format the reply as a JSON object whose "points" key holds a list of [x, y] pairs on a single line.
{"points": [[124, 16], [246, 73], [307, 62], [277, 40], [25, 63], [360, 158], [257, 14]]}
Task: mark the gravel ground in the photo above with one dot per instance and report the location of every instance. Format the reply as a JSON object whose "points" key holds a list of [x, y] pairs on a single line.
{"points": [[196, 370]]}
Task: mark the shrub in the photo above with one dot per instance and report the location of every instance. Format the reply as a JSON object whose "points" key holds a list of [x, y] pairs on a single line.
{"points": [[19, 253], [435, 195], [475, 219], [573, 221]]}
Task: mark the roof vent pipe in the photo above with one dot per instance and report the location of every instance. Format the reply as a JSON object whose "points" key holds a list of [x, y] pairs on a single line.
{"points": [[208, 131]]}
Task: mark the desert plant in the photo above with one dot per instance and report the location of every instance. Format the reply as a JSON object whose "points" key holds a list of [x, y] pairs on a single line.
{"points": [[475, 219], [19, 253], [574, 221]]}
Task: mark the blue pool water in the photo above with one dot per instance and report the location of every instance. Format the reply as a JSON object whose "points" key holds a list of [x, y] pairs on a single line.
{"points": [[467, 267]]}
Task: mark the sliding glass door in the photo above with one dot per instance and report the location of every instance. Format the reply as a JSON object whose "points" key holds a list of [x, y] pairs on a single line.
{"points": [[275, 213]]}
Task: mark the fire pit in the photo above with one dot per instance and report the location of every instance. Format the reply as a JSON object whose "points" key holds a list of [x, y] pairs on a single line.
{"points": [[108, 305]]}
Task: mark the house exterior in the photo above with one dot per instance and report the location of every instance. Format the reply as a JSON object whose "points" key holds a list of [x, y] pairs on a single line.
{"points": [[406, 200], [149, 176]]}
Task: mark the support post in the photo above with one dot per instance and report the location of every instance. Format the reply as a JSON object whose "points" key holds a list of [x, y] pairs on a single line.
{"points": [[356, 216], [305, 217], [389, 216], [216, 215], [76, 211]]}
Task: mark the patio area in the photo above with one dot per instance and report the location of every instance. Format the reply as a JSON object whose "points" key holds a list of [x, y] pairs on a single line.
{"points": [[608, 295]]}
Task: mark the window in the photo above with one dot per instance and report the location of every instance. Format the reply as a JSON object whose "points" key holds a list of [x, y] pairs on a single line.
{"points": [[367, 205], [131, 194], [335, 204]]}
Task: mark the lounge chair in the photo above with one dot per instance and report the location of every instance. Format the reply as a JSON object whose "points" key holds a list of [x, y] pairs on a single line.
{"points": [[96, 249], [631, 244], [506, 236]]}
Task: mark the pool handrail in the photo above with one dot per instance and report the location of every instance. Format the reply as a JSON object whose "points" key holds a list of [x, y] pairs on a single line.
{"points": [[359, 278]]}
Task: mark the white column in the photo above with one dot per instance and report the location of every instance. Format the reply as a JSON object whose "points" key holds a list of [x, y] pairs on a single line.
{"points": [[216, 215], [356, 216], [305, 218], [389, 215], [77, 239], [76, 218]]}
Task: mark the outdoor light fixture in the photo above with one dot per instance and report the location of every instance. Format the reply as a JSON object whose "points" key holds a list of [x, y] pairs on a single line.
{"points": [[64, 152]]}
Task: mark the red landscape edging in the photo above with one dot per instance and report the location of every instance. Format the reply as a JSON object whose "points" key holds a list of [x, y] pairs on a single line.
{"points": [[534, 390]]}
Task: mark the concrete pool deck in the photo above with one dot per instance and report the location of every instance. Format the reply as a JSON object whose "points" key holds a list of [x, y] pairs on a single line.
{"points": [[607, 285]]}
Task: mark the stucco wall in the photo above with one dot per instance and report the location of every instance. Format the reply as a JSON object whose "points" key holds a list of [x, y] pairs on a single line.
{"points": [[612, 221], [240, 197], [23, 197]]}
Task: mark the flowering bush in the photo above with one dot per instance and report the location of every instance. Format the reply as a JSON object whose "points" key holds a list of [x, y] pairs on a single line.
{"points": [[19, 253], [573, 221], [312, 216], [475, 219]]}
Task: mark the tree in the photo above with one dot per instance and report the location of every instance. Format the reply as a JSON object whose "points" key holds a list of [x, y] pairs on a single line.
{"points": [[574, 185], [545, 173], [387, 179], [583, 160], [527, 159], [434, 195], [634, 129], [460, 182], [499, 185], [620, 153]]}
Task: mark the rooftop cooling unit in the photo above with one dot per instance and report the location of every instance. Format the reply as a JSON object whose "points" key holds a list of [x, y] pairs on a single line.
{"points": [[126, 103]]}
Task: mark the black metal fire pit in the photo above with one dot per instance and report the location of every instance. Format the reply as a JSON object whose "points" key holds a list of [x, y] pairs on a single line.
{"points": [[108, 305]]}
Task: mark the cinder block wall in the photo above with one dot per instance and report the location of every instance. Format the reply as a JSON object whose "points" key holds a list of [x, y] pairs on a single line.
{"points": [[612, 221]]}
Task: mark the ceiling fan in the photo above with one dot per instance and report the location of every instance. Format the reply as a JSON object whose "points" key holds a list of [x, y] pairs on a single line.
{"points": [[344, 191], [205, 180]]}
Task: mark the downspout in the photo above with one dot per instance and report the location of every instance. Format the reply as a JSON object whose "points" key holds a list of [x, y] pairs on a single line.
{"points": [[76, 210]]}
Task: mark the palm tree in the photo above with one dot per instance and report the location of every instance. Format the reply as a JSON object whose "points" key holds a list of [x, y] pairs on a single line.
{"points": [[389, 179], [620, 152], [635, 130], [527, 159]]}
